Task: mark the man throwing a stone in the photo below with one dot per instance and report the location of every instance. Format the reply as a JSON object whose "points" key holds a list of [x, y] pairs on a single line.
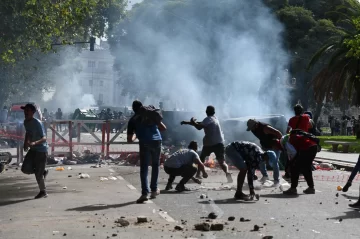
{"points": [[184, 163], [213, 141]]}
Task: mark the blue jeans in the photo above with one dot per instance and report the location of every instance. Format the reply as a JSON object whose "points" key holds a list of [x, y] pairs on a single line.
{"points": [[274, 165], [355, 170], [149, 152]]}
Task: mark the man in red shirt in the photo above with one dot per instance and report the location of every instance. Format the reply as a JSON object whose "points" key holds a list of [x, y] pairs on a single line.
{"points": [[300, 120], [301, 149]]}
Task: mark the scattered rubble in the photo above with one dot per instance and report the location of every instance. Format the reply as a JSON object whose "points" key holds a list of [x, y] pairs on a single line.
{"points": [[142, 219]]}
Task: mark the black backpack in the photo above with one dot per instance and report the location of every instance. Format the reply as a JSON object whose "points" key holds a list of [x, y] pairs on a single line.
{"points": [[150, 115], [307, 135]]}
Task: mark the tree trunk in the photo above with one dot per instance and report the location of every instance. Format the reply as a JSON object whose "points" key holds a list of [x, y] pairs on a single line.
{"points": [[317, 112]]}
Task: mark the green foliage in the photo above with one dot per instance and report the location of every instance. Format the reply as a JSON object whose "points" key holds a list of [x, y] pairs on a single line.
{"points": [[352, 149], [29, 25]]}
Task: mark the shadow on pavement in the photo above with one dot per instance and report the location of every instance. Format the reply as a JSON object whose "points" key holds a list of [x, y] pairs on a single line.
{"points": [[279, 195], [175, 192], [353, 214], [350, 197], [6, 203], [227, 201], [97, 207]]}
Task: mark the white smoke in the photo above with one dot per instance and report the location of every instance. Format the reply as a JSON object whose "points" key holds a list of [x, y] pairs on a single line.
{"points": [[239, 66]]}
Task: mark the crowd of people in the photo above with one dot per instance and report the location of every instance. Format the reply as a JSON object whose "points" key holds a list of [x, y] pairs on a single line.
{"points": [[298, 144], [346, 125]]}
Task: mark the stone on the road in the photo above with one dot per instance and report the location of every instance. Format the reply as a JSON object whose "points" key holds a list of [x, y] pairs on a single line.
{"points": [[217, 227], [205, 226], [202, 196], [179, 228], [232, 218], [256, 228], [212, 215], [142, 219], [122, 222], [268, 237]]}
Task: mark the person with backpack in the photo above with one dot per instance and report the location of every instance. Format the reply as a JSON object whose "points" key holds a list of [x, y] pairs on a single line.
{"points": [[267, 136], [301, 148], [145, 124], [213, 141]]}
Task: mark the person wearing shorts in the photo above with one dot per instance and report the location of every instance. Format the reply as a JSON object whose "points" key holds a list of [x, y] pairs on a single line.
{"points": [[213, 141], [247, 157]]}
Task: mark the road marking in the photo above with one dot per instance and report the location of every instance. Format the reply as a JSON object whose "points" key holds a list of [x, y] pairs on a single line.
{"points": [[166, 216], [112, 170], [131, 187], [120, 178]]}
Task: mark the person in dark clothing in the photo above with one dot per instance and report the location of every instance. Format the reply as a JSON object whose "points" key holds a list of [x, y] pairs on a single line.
{"points": [[58, 116], [301, 152], [184, 163], [150, 149], [354, 172], [246, 156], [267, 136]]}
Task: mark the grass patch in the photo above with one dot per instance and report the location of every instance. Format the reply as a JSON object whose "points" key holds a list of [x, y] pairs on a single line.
{"points": [[352, 149]]}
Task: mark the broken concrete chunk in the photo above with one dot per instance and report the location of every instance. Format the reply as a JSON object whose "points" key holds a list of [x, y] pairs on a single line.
{"points": [[122, 222], [203, 226], [256, 228], [179, 228], [212, 215], [217, 227], [232, 218], [142, 219]]}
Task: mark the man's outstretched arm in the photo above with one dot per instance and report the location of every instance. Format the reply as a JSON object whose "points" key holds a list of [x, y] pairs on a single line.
{"points": [[193, 122]]}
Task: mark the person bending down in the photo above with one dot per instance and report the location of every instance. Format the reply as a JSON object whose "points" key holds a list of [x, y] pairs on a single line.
{"points": [[246, 157], [183, 163], [213, 140]]}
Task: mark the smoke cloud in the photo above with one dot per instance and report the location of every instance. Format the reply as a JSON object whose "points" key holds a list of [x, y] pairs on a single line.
{"points": [[190, 54]]}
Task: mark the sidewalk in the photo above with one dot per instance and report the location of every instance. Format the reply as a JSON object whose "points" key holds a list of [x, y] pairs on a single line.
{"points": [[86, 208], [343, 160]]}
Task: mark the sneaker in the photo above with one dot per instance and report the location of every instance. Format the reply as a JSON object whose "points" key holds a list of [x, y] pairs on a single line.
{"points": [[181, 188], [154, 194], [42, 194], [142, 199], [276, 184], [309, 191], [355, 205], [168, 187], [196, 180], [346, 187], [199, 176], [241, 196], [264, 179], [229, 178], [46, 172], [290, 191]]}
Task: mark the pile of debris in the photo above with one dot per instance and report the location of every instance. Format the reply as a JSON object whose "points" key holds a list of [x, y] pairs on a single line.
{"points": [[77, 158]]}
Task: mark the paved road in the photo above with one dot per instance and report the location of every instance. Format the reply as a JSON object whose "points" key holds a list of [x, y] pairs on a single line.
{"points": [[305, 216]]}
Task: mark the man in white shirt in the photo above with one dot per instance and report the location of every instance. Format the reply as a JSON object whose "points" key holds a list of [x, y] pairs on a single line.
{"points": [[183, 163], [213, 141]]}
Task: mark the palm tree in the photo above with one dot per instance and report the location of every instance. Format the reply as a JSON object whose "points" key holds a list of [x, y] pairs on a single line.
{"points": [[340, 73]]}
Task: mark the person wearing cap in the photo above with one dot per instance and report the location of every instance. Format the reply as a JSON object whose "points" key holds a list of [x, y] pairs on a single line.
{"points": [[301, 149], [213, 141], [184, 163], [267, 136], [36, 146], [246, 156]]}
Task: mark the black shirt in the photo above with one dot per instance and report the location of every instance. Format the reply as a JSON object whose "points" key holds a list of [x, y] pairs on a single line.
{"points": [[266, 140]]}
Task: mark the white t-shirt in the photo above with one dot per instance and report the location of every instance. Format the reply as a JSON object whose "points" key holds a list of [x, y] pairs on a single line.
{"points": [[182, 157], [213, 133]]}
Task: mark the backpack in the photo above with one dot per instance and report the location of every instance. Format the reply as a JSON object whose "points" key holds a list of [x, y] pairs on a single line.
{"points": [[310, 136], [150, 115]]}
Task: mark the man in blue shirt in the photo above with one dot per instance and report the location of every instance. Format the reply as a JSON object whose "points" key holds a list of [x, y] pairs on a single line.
{"points": [[36, 146], [150, 149]]}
